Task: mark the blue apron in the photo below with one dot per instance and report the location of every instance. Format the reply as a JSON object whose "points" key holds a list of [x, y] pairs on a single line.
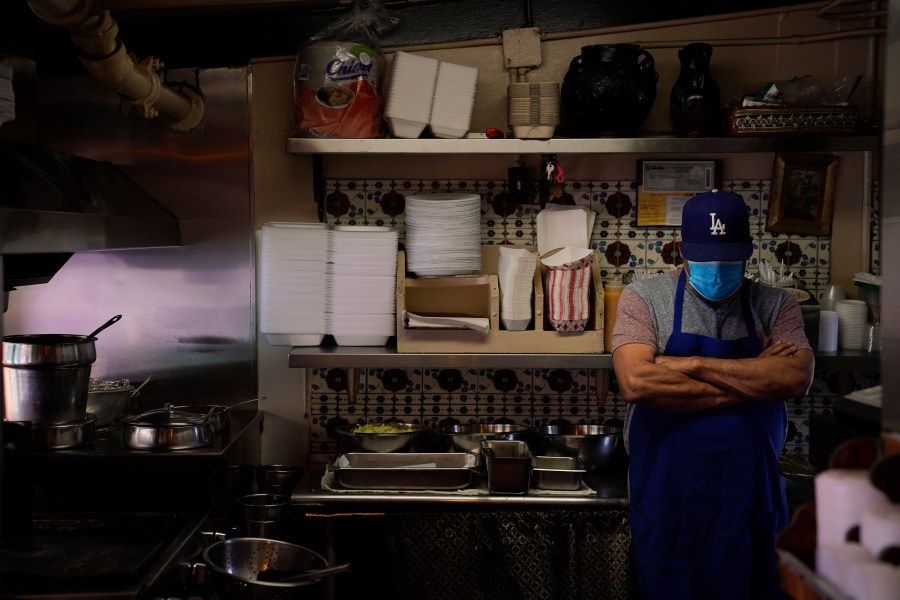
{"points": [[706, 494]]}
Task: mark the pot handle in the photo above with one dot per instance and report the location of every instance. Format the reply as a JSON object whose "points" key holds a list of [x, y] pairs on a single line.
{"points": [[573, 65], [647, 64], [312, 574]]}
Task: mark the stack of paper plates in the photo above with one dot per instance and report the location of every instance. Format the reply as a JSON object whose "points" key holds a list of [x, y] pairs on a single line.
{"points": [[293, 266], [363, 285], [443, 234]]}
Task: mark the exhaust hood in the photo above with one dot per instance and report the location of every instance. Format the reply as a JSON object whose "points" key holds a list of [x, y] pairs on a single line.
{"points": [[53, 204]]}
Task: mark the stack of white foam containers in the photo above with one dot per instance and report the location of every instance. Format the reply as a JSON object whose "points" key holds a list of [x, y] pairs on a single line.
{"points": [[293, 282], [424, 91]]}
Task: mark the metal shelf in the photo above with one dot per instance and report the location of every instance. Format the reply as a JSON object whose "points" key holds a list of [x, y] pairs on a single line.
{"points": [[330, 355], [641, 145], [376, 357]]}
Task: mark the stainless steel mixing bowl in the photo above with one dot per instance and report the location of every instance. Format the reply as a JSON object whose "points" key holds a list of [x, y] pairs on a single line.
{"points": [[600, 447], [410, 440], [468, 437]]}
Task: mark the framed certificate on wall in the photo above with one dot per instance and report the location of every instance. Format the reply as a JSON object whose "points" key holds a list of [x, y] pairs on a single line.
{"points": [[663, 186]]}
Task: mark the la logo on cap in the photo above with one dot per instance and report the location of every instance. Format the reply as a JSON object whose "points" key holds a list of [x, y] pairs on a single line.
{"points": [[716, 226]]}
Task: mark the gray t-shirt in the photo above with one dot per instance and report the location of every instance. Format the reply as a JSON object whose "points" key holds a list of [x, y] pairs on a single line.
{"points": [[646, 312]]}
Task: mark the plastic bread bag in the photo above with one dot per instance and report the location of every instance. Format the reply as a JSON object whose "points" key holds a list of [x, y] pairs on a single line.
{"points": [[338, 76]]}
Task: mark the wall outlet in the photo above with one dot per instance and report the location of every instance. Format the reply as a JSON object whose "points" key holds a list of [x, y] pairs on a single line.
{"points": [[522, 47]]}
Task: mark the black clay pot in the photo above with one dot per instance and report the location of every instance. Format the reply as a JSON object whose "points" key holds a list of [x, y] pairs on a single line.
{"points": [[609, 89], [694, 102]]}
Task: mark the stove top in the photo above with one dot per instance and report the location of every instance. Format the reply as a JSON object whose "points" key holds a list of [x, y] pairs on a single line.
{"points": [[103, 555]]}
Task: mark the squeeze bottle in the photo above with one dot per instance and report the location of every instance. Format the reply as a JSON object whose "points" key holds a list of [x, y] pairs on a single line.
{"points": [[611, 292]]}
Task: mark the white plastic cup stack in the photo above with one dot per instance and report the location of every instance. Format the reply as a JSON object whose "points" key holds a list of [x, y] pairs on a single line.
{"points": [[831, 295], [852, 315], [410, 94], [828, 331], [454, 98]]}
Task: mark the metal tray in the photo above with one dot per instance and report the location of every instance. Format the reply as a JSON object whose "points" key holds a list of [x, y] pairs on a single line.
{"points": [[406, 470], [558, 473]]}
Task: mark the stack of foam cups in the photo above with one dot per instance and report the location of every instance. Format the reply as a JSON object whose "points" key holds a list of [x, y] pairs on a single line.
{"points": [[828, 331]]}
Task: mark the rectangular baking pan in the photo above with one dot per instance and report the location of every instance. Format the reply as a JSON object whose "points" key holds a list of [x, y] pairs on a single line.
{"points": [[405, 470], [557, 473]]}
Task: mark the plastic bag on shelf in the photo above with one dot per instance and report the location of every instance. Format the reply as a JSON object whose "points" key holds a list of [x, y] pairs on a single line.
{"points": [[338, 76], [805, 90]]}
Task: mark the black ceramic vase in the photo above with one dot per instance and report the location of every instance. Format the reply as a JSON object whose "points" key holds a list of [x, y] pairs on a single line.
{"points": [[609, 89], [694, 103]]}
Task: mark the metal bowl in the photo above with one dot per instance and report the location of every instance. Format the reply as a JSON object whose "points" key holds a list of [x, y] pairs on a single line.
{"points": [[278, 479], [402, 441], [60, 436], [468, 437], [600, 447]]}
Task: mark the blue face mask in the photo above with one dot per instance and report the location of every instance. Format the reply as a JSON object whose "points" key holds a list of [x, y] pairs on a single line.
{"points": [[716, 280]]}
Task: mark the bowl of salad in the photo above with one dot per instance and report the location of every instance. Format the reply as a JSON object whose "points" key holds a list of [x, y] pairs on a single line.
{"points": [[387, 436]]}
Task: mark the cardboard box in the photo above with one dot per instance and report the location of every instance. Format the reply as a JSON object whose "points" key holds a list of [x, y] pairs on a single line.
{"points": [[479, 296]]}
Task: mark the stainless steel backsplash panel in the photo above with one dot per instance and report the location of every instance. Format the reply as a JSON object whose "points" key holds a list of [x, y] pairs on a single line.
{"points": [[188, 311]]}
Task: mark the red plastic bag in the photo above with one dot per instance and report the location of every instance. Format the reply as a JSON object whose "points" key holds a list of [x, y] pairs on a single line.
{"points": [[338, 75]]}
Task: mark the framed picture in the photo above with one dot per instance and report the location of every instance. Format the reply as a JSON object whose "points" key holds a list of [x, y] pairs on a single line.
{"points": [[802, 196], [665, 185]]}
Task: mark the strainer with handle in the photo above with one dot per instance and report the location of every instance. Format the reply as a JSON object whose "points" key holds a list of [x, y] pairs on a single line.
{"points": [[237, 563]]}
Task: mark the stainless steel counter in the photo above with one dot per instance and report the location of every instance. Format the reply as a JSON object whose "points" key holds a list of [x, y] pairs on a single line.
{"points": [[611, 492], [330, 355]]}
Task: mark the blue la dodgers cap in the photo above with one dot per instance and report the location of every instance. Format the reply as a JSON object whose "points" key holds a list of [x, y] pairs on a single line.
{"points": [[715, 226]]}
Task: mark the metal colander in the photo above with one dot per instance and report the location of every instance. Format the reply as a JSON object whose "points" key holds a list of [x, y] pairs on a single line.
{"points": [[237, 562], [109, 406]]}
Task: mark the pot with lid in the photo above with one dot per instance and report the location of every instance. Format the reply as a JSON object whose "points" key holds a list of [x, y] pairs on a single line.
{"points": [[217, 414], [167, 429]]}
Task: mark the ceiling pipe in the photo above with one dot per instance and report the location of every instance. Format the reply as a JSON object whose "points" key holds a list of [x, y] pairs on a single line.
{"points": [[106, 60]]}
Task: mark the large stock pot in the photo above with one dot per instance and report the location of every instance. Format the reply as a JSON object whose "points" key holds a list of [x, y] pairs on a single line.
{"points": [[46, 377]]}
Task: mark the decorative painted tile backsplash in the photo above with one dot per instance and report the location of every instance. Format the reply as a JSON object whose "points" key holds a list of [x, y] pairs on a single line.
{"points": [[532, 397], [529, 397], [621, 244]]}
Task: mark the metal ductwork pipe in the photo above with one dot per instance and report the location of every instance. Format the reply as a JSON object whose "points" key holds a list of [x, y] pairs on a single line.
{"points": [[103, 55]]}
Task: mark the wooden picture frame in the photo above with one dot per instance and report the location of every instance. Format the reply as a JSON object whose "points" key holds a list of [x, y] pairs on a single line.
{"points": [[802, 196]]}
